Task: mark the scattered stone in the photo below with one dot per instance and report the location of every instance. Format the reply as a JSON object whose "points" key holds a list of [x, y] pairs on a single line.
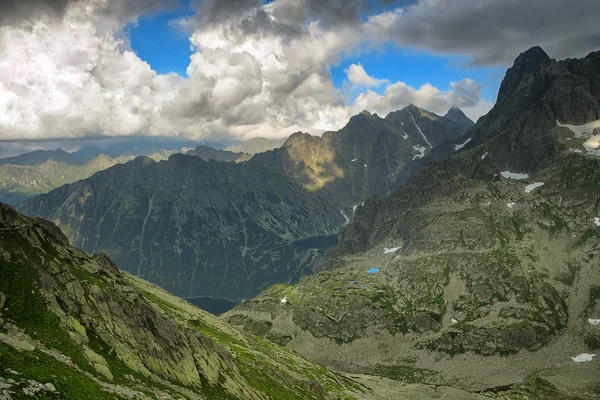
{"points": [[4, 384], [50, 387]]}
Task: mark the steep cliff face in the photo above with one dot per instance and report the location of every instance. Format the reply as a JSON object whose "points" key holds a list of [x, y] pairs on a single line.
{"points": [[196, 228], [489, 257], [72, 326], [229, 230]]}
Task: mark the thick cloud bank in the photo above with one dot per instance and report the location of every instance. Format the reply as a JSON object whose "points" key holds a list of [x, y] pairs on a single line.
{"points": [[258, 69]]}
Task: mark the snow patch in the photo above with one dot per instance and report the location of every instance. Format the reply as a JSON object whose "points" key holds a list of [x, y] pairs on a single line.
{"points": [[594, 321], [454, 321], [404, 135], [486, 204], [372, 270], [421, 132], [597, 221], [533, 186], [460, 146], [583, 357], [344, 215], [510, 205], [365, 166], [586, 131], [356, 159], [513, 175], [284, 300], [576, 151], [421, 150], [356, 206], [484, 155], [582, 131], [390, 250]]}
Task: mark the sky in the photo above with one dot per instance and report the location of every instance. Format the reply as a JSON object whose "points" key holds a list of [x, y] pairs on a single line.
{"points": [[222, 70]]}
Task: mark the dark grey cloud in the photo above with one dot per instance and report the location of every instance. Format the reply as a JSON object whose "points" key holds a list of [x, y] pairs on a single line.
{"points": [[13, 11], [496, 31], [286, 18]]}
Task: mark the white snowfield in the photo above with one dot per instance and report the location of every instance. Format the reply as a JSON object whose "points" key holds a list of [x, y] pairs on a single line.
{"points": [[533, 186], [421, 150], [583, 357], [390, 250], [420, 131], [514, 175], [356, 206], [460, 146], [586, 131], [345, 217]]}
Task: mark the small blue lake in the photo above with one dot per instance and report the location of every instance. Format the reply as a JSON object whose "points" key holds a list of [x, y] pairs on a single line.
{"points": [[372, 270]]}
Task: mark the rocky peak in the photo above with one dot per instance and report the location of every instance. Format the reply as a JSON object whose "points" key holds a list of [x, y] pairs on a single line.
{"points": [[530, 59], [295, 138], [457, 115], [365, 112], [526, 65]]}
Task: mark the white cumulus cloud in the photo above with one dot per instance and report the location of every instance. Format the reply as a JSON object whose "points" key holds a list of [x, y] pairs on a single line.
{"points": [[359, 77]]}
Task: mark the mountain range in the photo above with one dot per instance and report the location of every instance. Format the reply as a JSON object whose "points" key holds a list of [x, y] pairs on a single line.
{"points": [[38, 172], [256, 145], [229, 230]]}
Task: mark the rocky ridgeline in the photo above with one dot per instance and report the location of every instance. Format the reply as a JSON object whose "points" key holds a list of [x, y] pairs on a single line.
{"points": [[488, 258]]}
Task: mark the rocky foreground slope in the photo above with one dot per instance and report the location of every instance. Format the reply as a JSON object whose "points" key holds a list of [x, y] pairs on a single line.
{"points": [[72, 326], [229, 230], [483, 271]]}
